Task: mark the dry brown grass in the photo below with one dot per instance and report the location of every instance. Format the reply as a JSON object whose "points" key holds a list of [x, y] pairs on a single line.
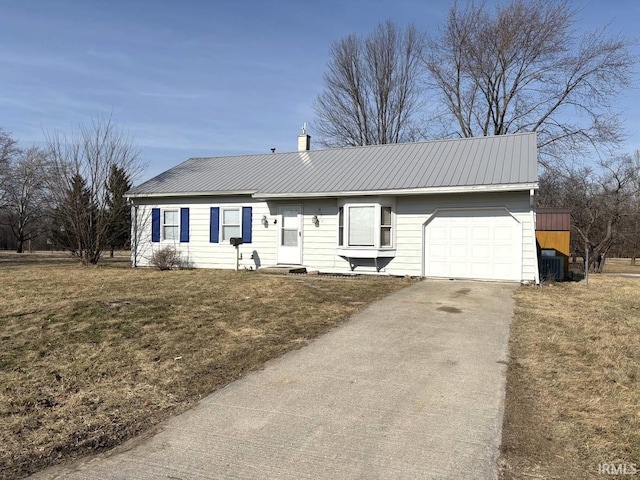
{"points": [[92, 356], [621, 265], [573, 384]]}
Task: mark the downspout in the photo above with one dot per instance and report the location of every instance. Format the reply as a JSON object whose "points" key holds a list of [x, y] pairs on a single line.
{"points": [[134, 243], [532, 210]]}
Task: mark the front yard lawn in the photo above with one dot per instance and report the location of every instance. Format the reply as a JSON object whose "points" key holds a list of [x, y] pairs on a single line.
{"points": [[93, 356]]}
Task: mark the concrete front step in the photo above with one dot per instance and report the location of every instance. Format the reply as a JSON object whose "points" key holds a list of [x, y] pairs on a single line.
{"points": [[282, 270]]}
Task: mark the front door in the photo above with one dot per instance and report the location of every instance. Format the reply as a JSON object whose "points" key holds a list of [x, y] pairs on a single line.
{"points": [[290, 235]]}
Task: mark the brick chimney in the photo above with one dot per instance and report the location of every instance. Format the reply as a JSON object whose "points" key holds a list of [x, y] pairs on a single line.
{"points": [[304, 140]]}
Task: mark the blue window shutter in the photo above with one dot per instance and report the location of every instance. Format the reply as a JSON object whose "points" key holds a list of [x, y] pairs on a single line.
{"points": [[184, 225], [215, 225], [246, 224], [155, 224]]}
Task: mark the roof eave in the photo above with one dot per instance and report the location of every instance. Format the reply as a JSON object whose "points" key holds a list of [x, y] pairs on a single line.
{"points": [[190, 194], [514, 187]]}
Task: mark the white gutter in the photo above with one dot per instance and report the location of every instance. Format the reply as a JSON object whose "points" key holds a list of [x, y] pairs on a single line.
{"points": [[514, 187], [134, 239], [532, 204], [189, 194], [407, 191]]}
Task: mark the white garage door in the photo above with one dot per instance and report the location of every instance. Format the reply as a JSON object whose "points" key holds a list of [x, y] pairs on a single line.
{"points": [[479, 244]]}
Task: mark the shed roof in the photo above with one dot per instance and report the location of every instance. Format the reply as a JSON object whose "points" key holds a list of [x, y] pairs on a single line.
{"points": [[498, 162], [553, 219]]}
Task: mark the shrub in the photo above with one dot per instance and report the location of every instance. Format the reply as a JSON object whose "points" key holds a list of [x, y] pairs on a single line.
{"points": [[166, 258]]}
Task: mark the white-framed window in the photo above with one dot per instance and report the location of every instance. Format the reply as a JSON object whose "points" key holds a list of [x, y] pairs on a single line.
{"points": [[171, 225], [367, 225], [341, 226], [386, 237], [362, 219], [230, 225]]}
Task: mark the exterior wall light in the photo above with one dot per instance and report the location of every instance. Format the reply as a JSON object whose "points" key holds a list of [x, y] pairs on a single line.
{"points": [[265, 222], [315, 220]]}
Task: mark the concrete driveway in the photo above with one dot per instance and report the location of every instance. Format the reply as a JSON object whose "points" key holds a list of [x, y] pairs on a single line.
{"points": [[412, 387]]}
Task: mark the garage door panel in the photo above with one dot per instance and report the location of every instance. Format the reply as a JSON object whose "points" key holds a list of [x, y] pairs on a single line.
{"points": [[503, 233], [458, 251], [438, 251], [481, 269], [440, 269], [440, 233], [480, 251], [459, 232], [482, 244], [481, 232], [503, 251], [458, 269], [502, 271]]}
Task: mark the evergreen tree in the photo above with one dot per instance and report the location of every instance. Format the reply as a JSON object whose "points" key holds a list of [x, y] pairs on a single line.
{"points": [[118, 211]]}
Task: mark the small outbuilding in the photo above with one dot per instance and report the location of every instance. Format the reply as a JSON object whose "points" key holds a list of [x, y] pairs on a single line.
{"points": [[553, 233], [461, 208]]}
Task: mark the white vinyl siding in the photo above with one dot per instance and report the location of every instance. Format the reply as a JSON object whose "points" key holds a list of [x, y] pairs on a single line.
{"points": [[320, 247], [319, 242], [200, 252]]}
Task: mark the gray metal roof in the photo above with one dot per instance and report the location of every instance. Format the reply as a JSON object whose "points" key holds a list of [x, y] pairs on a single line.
{"points": [[506, 160]]}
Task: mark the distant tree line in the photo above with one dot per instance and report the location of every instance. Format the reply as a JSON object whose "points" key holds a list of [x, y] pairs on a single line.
{"points": [[68, 195], [518, 66]]}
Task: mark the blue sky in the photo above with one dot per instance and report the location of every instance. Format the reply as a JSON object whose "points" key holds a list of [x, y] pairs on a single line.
{"points": [[202, 78]]}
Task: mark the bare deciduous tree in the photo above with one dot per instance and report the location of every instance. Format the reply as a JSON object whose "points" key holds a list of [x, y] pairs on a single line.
{"points": [[372, 90], [8, 149], [523, 68], [74, 221], [601, 201], [82, 163], [25, 187], [630, 246]]}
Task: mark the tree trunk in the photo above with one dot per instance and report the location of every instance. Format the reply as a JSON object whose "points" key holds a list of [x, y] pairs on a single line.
{"points": [[20, 247], [603, 261]]}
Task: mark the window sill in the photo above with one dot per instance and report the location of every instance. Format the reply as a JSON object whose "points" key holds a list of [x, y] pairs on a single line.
{"points": [[354, 253], [364, 252]]}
